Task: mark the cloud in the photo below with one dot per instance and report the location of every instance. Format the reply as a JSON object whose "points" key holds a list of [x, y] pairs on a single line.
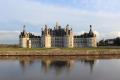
{"points": [[102, 14], [90, 5], [113, 34], [9, 37], [37, 13]]}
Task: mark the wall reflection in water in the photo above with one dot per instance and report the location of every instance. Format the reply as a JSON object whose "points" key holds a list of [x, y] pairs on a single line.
{"points": [[57, 63], [60, 67]]}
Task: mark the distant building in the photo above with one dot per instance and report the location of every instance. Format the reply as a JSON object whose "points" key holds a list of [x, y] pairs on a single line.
{"points": [[57, 37], [110, 42]]}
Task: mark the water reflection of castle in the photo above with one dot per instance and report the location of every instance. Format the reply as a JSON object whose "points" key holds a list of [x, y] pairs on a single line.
{"points": [[90, 63], [57, 64]]}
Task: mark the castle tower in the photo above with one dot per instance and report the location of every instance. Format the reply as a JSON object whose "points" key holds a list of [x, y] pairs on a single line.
{"points": [[24, 40], [69, 39], [46, 38], [93, 41]]}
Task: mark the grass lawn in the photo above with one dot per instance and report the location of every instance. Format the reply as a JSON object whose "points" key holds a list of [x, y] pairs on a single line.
{"points": [[24, 49]]}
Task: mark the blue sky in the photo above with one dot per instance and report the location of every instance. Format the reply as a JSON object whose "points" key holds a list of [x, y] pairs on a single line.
{"points": [[104, 15]]}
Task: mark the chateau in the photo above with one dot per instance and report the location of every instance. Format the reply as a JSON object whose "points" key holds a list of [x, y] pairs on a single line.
{"points": [[57, 37]]}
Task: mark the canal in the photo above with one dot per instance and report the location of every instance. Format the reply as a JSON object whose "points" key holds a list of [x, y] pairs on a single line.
{"points": [[59, 68]]}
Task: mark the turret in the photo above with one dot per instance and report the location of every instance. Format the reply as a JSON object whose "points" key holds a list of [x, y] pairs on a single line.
{"points": [[57, 25], [42, 32], [46, 30], [67, 29], [71, 31], [24, 31], [91, 32]]}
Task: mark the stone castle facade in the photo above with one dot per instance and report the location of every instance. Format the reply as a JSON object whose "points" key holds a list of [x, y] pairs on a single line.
{"points": [[57, 37]]}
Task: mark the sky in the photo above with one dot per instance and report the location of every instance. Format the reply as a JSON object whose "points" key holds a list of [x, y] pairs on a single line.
{"points": [[104, 15]]}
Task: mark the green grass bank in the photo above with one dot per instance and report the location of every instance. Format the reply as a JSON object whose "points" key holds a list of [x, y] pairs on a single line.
{"points": [[100, 51]]}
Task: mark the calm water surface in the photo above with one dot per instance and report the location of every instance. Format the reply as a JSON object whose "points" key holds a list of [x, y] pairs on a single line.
{"points": [[59, 68]]}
